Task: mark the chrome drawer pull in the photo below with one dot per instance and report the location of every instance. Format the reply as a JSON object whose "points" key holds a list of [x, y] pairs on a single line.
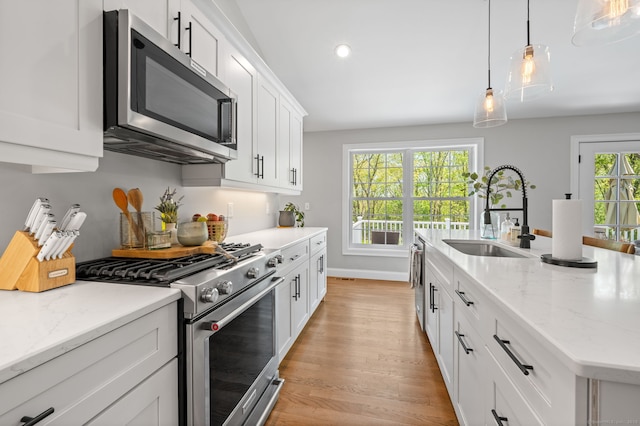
{"points": [[503, 344], [499, 419], [463, 296], [464, 346]]}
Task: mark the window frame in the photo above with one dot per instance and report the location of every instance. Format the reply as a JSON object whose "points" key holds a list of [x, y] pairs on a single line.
{"points": [[476, 162]]}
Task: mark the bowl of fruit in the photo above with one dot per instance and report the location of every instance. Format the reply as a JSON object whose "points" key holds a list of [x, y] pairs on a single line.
{"points": [[217, 225]]}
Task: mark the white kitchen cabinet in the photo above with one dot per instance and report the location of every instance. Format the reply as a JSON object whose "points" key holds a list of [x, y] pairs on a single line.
{"points": [[153, 402], [469, 357], [317, 270], [439, 318], [267, 133], [292, 299], [290, 146], [86, 381], [51, 102], [158, 14]]}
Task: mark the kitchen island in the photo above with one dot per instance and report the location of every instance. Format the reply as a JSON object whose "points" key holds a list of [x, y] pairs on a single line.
{"points": [[577, 328]]}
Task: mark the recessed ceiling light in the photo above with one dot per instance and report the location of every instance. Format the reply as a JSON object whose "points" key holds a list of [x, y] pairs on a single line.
{"points": [[343, 50]]}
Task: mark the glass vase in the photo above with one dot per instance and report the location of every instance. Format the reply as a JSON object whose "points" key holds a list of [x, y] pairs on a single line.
{"points": [[489, 225]]}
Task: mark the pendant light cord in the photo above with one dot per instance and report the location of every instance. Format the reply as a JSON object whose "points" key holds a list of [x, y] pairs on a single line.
{"points": [[489, 50], [528, 38]]}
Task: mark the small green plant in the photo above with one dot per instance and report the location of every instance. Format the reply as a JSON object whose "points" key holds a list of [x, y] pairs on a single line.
{"points": [[501, 185], [168, 206], [299, 214]]}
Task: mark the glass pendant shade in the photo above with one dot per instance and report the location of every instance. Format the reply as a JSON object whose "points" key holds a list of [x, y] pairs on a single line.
{"points": [[605, 21], [529, 73], [490, 109]]}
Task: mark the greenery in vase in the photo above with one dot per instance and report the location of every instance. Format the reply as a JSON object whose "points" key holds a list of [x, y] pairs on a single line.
{"points": [[299, 214], [168, 206], [501, 185]]}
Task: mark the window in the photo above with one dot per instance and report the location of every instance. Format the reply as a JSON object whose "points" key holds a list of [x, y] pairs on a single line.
{"points": [[391, 191], [608, 182]]}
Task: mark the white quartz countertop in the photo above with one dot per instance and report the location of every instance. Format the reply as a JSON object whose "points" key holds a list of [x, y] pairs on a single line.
{"points": [[37, 327], [588, 318], [277, 238]]}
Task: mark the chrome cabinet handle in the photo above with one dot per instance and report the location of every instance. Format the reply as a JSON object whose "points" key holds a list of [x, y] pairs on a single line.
{"points": [[498, 418], [464, 346], [503, 344], [463, 296], [30, 421]]}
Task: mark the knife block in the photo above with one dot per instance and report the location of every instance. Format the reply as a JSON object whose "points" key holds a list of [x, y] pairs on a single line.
{"points": [[19, 268]]}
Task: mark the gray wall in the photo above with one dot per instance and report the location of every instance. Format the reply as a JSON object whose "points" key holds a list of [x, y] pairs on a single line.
{"points": [[539, 147], [99, 234]]}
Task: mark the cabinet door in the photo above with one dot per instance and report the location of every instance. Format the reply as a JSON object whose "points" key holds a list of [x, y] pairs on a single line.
{"points": [[468, 354], [267, 135], [317, 279], [201, 39], [286, 172], [158, 14], [446, 338], [295, 149], [300, 296], [241, 77], [51, 85], [154, 402], [284, 329], [431, 308]]}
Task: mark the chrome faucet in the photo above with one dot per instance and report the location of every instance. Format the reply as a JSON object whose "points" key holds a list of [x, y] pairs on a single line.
{"points": [[525, 236]]}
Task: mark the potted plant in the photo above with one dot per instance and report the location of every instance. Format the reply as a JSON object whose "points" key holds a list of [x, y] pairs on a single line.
{"points": [[291, 215], [168, 209]]}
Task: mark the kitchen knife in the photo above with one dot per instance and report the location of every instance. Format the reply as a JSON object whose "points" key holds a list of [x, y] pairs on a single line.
{"points": [[68, 241], [43, 224], [41, 216], [75, 208], [46, 233], [55, 249], [75, 222], [33, 212], [45, 251]]}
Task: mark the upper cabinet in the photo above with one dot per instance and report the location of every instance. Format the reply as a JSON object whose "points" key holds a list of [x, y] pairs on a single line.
{"points": [[269, 120], [51, 102]]}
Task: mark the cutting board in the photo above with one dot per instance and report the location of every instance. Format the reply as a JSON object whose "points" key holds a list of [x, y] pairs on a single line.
{"points": [[175, 251]]}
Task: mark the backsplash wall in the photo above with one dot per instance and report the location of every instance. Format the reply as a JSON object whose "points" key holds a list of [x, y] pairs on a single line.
{"points": [[99, 234]]}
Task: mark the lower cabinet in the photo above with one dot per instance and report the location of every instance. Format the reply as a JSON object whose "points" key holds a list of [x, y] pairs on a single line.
{"points": [[135, 363]]}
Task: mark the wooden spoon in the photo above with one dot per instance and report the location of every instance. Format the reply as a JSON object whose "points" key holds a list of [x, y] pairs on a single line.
{"points": [[134, 196], [120, 198]]}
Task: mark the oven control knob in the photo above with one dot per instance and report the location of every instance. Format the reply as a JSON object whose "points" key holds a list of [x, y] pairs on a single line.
{"points": [[253, 272], [209, 295], [275, 261], [225, 287]]}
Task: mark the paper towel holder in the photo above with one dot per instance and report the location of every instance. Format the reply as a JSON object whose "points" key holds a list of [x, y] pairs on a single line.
{"points": [[585, 262]]}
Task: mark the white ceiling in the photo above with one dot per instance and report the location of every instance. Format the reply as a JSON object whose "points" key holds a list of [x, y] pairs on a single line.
{"points": [[425, 61]]}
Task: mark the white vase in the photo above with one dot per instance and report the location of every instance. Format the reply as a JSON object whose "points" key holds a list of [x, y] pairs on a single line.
{"points": [[171, 227]]}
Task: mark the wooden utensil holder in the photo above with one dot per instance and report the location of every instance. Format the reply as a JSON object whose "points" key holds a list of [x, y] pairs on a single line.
{"points": [[20, 269]]}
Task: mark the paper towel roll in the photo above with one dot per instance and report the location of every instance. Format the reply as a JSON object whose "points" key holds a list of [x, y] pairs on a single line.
{"points": [[566, 243]]}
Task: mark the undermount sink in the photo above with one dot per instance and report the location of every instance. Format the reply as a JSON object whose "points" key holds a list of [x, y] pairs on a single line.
{"points": [[482, 248]]}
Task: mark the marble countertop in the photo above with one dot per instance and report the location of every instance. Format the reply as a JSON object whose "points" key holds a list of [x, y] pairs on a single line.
{"points": [[588, 318], [37, 327], [277, 238]]}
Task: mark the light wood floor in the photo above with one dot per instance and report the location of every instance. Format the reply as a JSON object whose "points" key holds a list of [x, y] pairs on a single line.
{"points": [[362, 360]]}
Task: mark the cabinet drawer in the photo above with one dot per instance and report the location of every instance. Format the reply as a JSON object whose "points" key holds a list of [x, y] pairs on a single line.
{"points": [[84, 381], [317, 243], [534, 371], [469, 299], [505, 405], [292, 254], [469, 371]]}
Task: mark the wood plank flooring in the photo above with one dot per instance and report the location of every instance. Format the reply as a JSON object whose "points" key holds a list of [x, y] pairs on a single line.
{"points": [[363, 360]]}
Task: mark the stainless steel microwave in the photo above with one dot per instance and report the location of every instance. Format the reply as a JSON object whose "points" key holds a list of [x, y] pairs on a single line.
{"points": [[158, 102]]}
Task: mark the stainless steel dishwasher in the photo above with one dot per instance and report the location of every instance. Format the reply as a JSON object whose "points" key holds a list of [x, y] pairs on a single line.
{"points": [[416, 271]]}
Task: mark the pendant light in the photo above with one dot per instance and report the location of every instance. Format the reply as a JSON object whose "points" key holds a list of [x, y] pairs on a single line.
{"points": [[490, 107], [529, 73], [605, 21]]}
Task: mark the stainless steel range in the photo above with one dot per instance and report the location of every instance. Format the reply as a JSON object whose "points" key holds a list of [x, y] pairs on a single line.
{"points": [[230, 366]]}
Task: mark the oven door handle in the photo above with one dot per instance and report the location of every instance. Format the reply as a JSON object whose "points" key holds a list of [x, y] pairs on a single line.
{"points": [[219, 324]]}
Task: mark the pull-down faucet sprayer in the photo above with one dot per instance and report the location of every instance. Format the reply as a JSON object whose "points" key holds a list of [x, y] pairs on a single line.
{"points": [[525, 236]]}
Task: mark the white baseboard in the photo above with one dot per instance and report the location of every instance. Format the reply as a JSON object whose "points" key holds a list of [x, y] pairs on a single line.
{"points": [[368, 275]]}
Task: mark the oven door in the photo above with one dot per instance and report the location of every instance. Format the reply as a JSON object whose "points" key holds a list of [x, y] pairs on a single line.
{"points": [[232, 367]]}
